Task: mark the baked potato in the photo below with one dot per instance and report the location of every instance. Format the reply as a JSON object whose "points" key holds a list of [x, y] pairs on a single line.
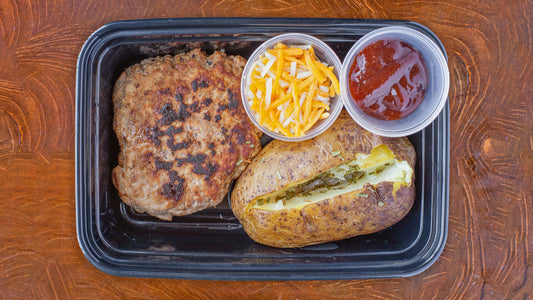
{"points": [[343, 183]]}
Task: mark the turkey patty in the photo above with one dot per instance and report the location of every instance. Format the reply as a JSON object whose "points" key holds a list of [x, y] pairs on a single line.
{"points": [[183, 132]]}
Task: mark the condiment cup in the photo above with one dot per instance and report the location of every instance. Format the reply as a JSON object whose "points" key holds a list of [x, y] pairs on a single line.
{"points": [[436, 93], [323, 53]]}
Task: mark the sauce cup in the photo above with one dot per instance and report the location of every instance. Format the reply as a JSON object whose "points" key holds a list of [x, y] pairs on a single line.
{"points": [[436, 93]]}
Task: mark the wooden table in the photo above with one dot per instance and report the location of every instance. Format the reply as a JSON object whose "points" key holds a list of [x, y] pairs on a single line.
{"points": [[490, 241]]}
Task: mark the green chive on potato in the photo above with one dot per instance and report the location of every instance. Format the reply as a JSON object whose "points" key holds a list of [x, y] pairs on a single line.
{"points": [[343, 183]]}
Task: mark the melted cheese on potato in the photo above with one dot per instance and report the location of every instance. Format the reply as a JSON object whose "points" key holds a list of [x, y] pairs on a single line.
{"points": [[379, 166]]}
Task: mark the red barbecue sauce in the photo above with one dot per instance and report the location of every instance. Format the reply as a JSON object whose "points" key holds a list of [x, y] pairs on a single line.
{"points": [[388, 79]]}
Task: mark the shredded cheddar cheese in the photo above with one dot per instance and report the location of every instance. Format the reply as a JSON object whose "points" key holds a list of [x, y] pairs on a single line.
{"points": [[290, 90]]}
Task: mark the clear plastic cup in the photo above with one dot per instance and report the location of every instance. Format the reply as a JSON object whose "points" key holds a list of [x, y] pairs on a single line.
{"points": [[324, 53], [436, 93]]}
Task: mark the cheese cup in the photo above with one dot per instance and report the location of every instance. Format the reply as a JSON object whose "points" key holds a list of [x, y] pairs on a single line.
{"points": [[323, 54]]}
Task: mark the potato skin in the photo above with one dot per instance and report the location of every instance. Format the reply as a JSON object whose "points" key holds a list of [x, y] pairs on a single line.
{"points": [[282, 163]]}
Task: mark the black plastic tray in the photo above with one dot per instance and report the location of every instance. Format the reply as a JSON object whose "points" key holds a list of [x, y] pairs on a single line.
{"points": [[211, 244]]}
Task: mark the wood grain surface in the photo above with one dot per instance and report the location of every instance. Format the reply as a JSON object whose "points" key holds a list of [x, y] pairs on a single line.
{"points": [[488, 254]]}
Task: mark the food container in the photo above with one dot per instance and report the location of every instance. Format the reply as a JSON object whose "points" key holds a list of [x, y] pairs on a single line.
{"points": [[436, 93], [324, 54], [211, 244]]}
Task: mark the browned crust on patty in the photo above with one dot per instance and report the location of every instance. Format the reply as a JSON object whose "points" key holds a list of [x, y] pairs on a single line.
{"points": [[182, 131]]}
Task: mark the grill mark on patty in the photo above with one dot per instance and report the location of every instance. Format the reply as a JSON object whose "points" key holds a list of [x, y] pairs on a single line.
{"points": [[177, 146], [233, 102], [165, 91], [171, 131], [221, 108], [208, 170], [199, 165], [173, 189], [240, 134], [196, 84], [197, 159], [168, 114], [162, 165], [211, 146], [208, 101], [195, 107], [156, 133], [182, 112]]}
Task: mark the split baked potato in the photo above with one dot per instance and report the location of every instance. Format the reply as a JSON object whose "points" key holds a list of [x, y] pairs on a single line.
{"points": [[343, 183]]}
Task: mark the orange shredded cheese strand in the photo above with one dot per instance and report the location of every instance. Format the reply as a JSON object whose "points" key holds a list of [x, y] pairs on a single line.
{"points": [[287, 51], [311, 65], [308, 101], [331, 77], [296, 117], [320, 104], [278, 71], [314, 119]]}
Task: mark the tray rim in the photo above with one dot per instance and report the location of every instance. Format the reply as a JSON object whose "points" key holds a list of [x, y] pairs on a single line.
{"points": [[213, 272]]}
